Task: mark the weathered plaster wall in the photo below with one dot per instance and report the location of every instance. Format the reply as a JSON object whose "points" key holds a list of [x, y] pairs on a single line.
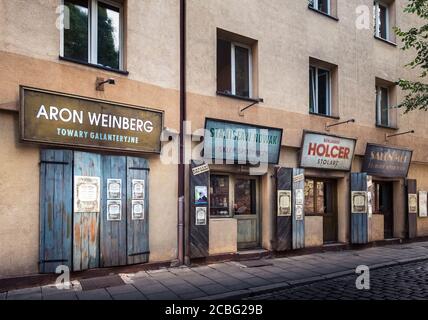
{"points": [[314, 235], [223, 236]]}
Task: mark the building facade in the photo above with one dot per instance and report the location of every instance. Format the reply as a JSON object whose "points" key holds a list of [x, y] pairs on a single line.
{"points": [[294, 101]]}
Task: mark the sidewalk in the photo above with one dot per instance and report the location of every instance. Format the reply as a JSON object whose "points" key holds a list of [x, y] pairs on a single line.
{"points": [[229, 280]]}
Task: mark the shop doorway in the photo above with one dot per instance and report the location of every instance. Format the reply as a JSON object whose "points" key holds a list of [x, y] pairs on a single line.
{"points": [[321, 200], [383, 204], [235, 196]]}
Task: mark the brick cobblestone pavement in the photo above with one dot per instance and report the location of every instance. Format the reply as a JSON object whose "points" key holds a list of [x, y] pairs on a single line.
{"points": [[402, 282], [234, 280]]}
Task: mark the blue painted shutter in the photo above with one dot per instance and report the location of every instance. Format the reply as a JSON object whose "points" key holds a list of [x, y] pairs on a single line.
{"points": [[298, 226], [137, 230], [86, 225], [55, 209], [359, 221], [113, 233], [284, 181]]}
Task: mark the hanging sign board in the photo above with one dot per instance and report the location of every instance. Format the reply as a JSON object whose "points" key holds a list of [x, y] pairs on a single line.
{"points": [[86, 194], [241, 143], [327, 152], [67, 120], [388, 162]]}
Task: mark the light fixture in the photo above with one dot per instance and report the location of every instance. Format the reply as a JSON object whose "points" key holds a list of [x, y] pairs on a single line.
{"points": [[398, 134], [101, 82], [328, 126]]}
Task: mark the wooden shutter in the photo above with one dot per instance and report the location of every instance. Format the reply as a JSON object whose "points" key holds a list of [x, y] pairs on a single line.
{"points": [[137, 229], [359, 221], [411, 217], [86, 225], [298, 225], [199, 234], [284, 182], [113, 233], [56, 203]]}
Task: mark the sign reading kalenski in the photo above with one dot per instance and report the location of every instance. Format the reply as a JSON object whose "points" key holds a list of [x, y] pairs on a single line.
{"points": [[55, 118], [327, 152]]}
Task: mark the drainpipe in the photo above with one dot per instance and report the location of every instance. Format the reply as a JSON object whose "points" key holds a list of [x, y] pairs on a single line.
{"points": [[181, 165]]}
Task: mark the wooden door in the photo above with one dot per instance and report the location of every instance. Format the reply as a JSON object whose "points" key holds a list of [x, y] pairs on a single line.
{"points": [[137, 210], [56, 209], [113, 218], [246, 212], [86, 224], [384, 203], [330, 210]]}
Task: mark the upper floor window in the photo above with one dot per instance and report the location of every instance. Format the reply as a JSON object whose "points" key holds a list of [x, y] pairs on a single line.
{"points": [[234, 68], [94, 33], [382, 106], [381, 19], [321, 5], [319, 91]]}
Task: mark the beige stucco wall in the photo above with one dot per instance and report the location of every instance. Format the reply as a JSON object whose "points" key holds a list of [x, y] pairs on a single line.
{"points": [[377, 231], [420, 173], [314, 236], [223, 236]]}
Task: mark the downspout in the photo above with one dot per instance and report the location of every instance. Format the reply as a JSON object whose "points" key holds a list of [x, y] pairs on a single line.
{"points": [[181, 165]]}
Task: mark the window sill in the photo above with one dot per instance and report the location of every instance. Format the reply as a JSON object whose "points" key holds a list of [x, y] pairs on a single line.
{"points": [[233, 96], [94, 66], [386, 127], [385, 41], [324, 14], [324, 115]]}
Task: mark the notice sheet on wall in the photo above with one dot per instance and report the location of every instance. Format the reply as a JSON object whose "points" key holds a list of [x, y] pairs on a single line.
{"points": [[114, 210], [423, 210], [137, 209], [86, 194]]}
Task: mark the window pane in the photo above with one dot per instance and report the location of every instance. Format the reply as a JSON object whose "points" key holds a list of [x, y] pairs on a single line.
{"points": [[242, 72], [76, 36], [108, 36], [383, 21], [323, 6], [224, 82], [219, 195], [244, 197], [323, 91], [312, 92], [321, 197], [384, 106], [309, 196]]}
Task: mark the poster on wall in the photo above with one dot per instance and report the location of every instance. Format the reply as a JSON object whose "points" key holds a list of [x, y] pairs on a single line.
{"points": [[114, 189], [138, 189], [413, 203], [369, 204], [299, 212], [359, 201], [300, 196], [114, 210], [327, 152], [423, 210], [284, 203], [201, 216], [137, 209], [201, 195], [86, 194]]}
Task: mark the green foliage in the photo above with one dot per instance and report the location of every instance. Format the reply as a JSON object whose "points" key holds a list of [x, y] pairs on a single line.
{"points": [[416, 38]]}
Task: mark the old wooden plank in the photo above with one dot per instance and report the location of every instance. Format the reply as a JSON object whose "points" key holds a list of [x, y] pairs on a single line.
{"points": [[298, 226], [411, 217]]}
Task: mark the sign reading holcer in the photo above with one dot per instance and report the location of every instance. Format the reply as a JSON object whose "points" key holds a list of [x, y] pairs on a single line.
{"points": [[387, 162], [55, 118], [327, 152]]}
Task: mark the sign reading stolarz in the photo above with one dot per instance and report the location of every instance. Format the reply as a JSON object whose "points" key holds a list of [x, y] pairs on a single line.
{"points": [[62, 119], [389, 162], [328, 152], [241, 143]]}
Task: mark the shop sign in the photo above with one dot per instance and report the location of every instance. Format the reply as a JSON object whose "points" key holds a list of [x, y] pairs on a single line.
{"points": [[201, 169], [327, 152], [67, 120], [241, 143], [383, 161]]}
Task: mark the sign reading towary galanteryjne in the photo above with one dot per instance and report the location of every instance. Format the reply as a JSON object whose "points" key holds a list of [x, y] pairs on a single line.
{"points": [[67, 120], [327, 152]]}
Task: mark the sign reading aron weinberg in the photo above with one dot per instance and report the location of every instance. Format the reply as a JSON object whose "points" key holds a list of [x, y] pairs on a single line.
{"points": [[387, 162], [328, 152], [241, 143], [60, 119]]}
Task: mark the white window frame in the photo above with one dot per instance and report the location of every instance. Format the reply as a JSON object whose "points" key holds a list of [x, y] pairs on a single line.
{"points": [[315, 95], [93, 32], [377, 5], [233, 67], [379, 106], [316, 6]]}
